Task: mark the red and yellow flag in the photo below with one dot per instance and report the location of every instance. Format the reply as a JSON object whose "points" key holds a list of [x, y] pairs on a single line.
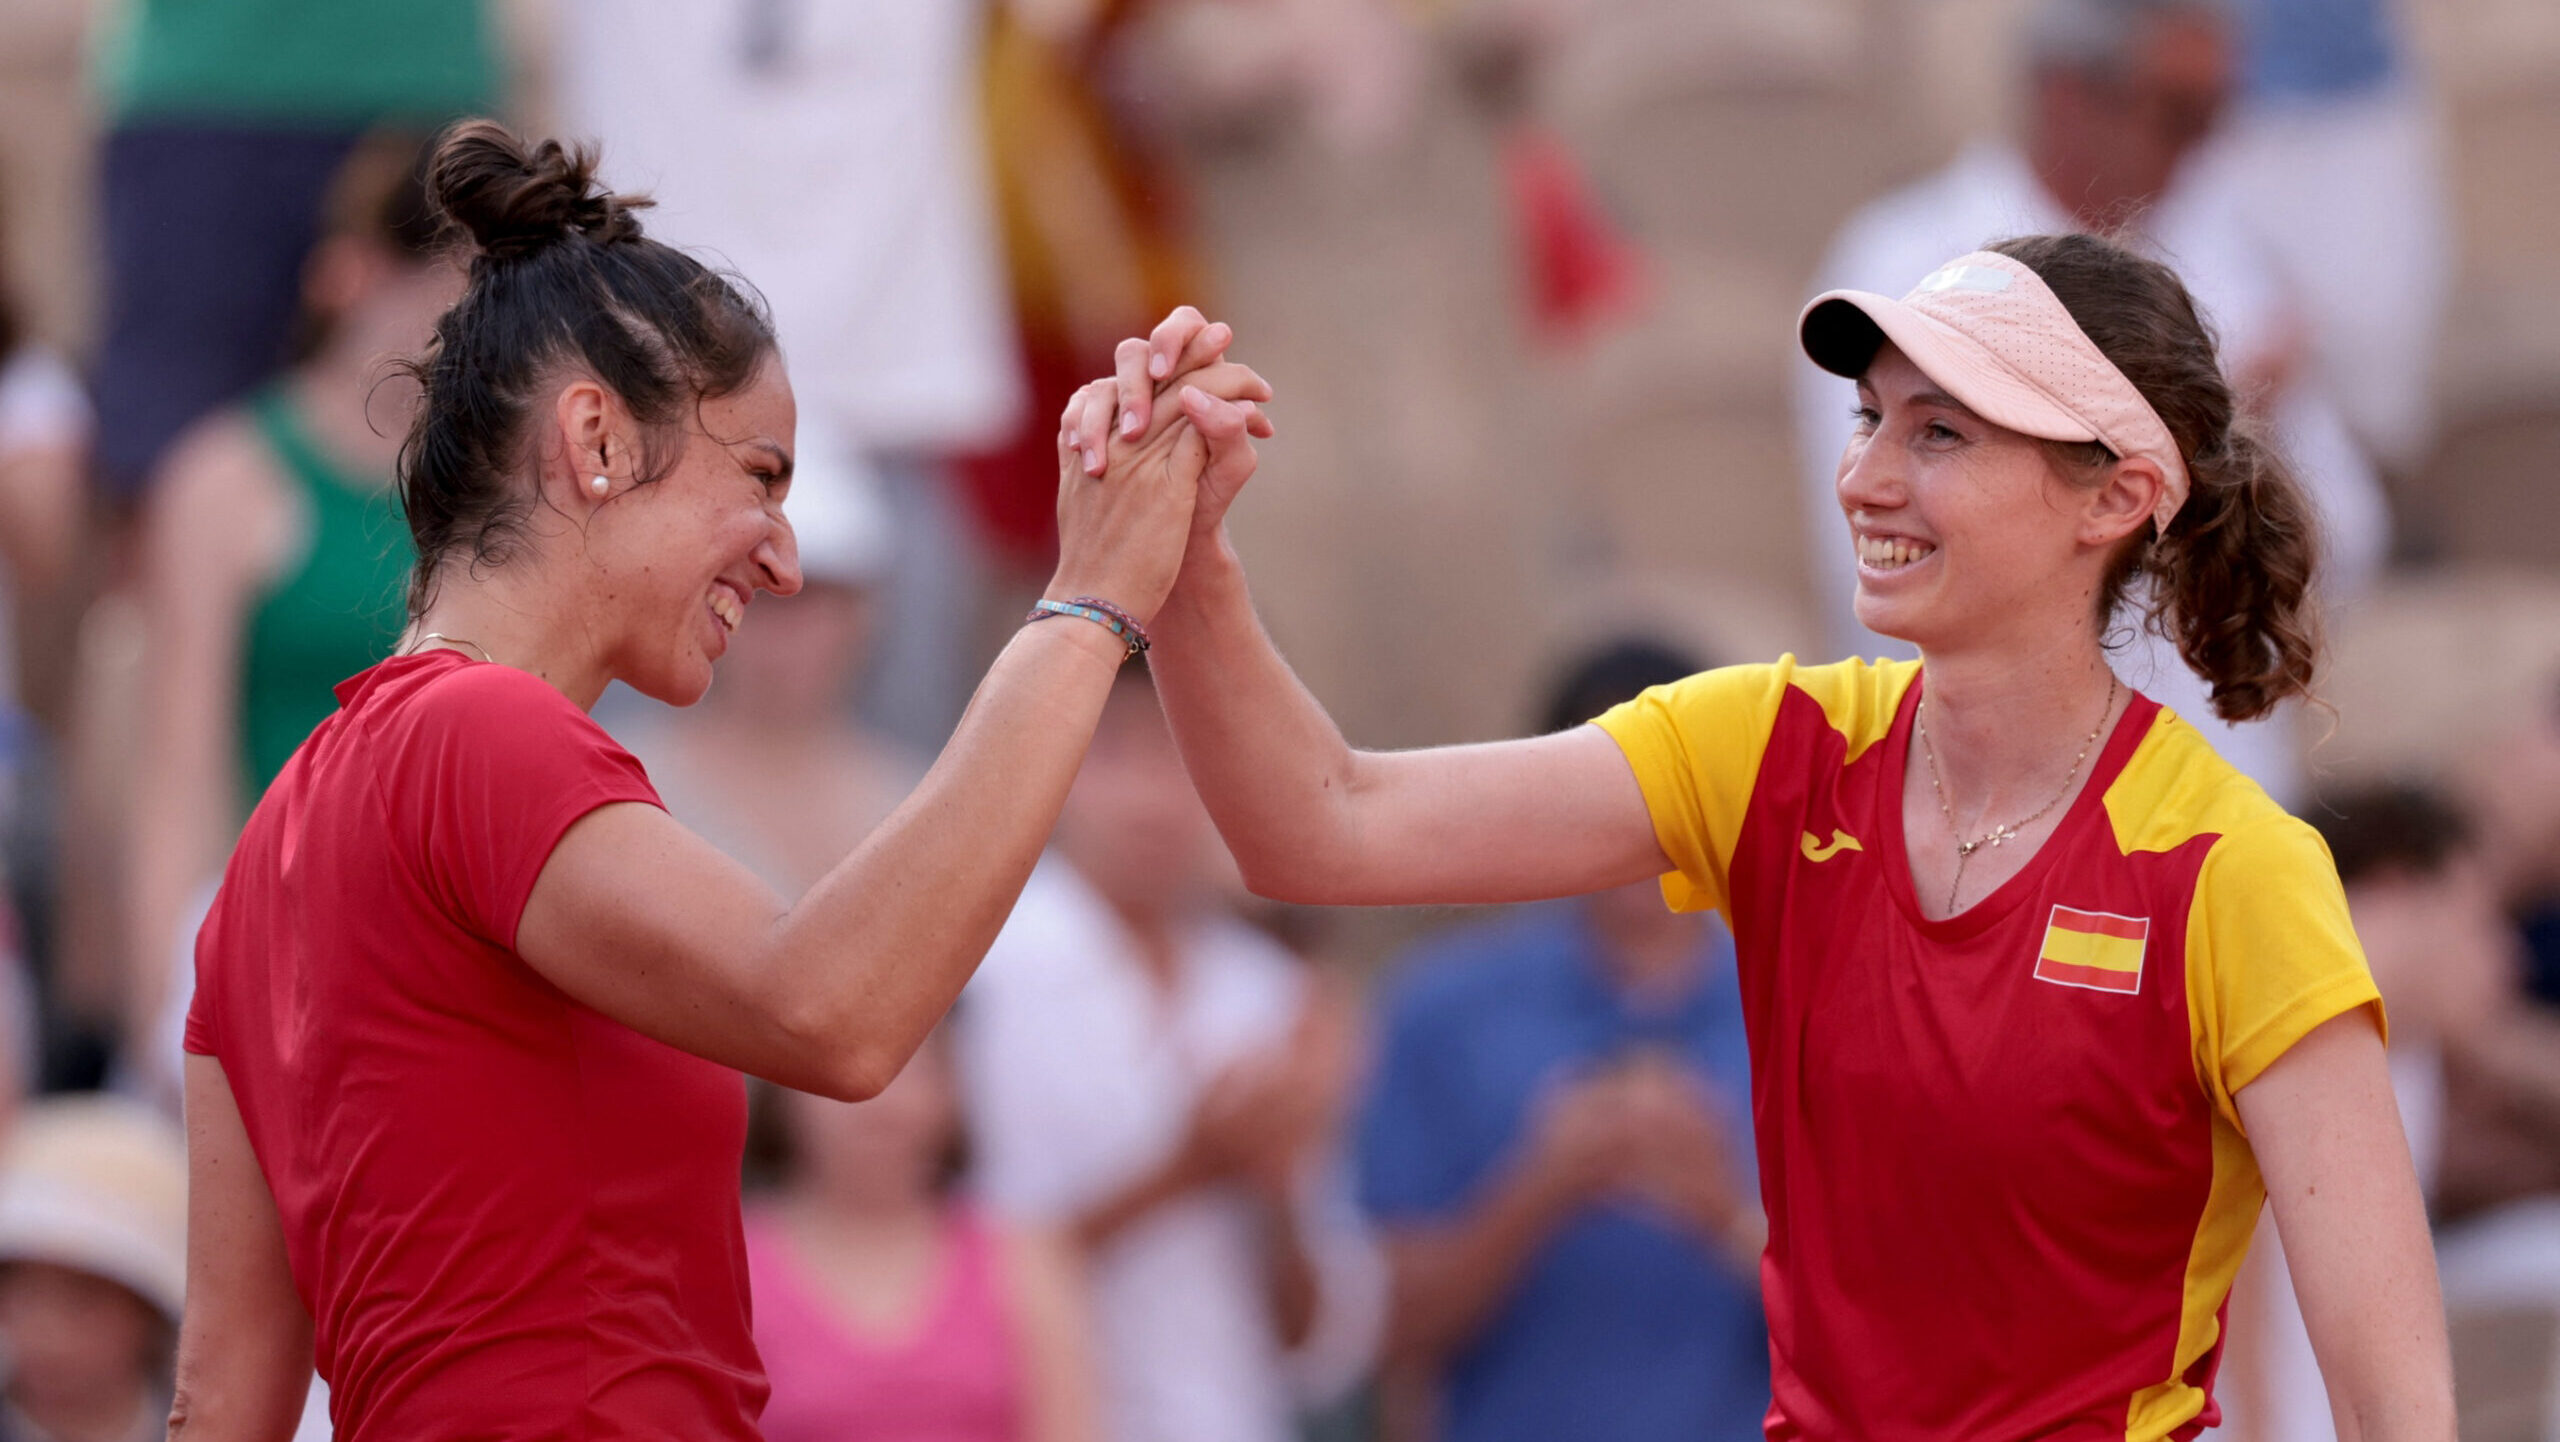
{"points": [[2095, 949]]}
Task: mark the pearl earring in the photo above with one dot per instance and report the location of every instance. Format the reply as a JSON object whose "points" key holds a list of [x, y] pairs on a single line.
{"points": [[601, 485]]}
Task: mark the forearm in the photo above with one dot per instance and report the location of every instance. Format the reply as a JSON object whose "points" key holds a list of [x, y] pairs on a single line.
{"points": [[1271, 766], [878, 950], [1450, 1277]]}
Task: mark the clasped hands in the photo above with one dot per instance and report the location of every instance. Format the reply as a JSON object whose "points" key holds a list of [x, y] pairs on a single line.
{"points": [[1139, 480]]}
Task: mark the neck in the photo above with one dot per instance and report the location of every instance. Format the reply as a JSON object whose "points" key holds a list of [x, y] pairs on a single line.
{"points": [[879, 1208], [2003, 727], [505, 614], [1151, 926]]}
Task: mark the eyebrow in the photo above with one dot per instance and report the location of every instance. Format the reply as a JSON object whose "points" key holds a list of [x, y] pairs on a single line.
{"points": [[1939, 399]]}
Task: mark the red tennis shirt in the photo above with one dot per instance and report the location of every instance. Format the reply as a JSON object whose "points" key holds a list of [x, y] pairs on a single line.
{"points": [[2006, 1182], [510, 1216]]}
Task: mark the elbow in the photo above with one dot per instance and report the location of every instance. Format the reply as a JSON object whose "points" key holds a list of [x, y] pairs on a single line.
{"points": [[828, 1054], [1296, 881]]}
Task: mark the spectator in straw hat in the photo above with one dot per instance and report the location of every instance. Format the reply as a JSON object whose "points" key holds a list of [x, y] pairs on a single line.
{"points": [[93, 1265]]}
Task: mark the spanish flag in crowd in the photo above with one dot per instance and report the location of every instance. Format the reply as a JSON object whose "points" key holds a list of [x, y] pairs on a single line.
{"points": [[2093, 949]]}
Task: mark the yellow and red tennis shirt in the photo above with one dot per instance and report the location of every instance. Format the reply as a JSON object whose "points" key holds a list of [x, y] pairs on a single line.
{"points": [[2006, 1183]]}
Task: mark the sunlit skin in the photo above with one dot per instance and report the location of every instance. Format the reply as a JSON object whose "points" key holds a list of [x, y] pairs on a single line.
{"points": [[664, 556]]}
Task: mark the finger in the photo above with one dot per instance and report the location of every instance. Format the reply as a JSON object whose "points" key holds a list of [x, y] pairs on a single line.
{"points": [[1093, 428], [1207, 347], [1257, 423], [1221, 421], [1171, 339], [1136, 400], [1228, 380]]}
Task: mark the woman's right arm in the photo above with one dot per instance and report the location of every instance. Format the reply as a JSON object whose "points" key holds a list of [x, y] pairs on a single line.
{"points": [[1309, 818], [644, 921], [244, 1350]]}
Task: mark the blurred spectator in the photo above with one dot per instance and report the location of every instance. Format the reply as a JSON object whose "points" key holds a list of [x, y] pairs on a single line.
{"points": [[227, 120], [46, 427], [2334, 156], [770, 766], [2121, 94], [93, 1270], [1556, 1149], [274, 562], [1094, 228], [1148, 1072], [834, 152], [2444, 958], [888, 1309]]}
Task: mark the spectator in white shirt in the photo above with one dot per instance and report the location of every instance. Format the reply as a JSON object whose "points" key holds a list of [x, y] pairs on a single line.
{"points": [[2120, 95], [1148, 1072]]}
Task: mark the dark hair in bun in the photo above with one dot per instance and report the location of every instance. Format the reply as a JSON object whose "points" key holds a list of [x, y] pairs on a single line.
{"points": [[513, 201], [562, 281]]}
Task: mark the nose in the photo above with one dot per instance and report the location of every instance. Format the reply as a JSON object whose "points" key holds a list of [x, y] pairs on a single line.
{"points": [[777, 559], [1869, 478]]}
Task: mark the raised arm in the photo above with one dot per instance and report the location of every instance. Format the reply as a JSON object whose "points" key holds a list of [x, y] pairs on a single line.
{"points": [[1308, 817], [647, 923]]}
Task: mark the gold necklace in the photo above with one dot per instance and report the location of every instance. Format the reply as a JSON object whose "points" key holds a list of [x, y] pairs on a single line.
{"points": [[1999, 835], [474, 645]]}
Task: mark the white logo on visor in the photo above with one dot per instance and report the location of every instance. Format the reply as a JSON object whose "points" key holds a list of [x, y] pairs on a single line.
{"points": [[1964, 277]]}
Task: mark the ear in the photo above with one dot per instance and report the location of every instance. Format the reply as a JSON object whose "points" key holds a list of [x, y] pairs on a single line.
{"points": [[593, 436], [2123, 503]]}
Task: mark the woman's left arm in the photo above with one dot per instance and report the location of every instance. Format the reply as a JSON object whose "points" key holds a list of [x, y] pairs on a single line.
{"points": [[2327, 1134]]}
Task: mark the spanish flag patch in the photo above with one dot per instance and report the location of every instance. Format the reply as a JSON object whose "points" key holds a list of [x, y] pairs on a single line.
{"points": [[2095, 949]]}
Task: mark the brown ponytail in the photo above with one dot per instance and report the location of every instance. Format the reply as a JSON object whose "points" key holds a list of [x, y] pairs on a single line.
{"points": [[2231, 582]]}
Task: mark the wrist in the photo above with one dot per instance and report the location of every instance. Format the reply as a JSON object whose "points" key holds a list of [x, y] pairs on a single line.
{"points": [[1210, 572]]}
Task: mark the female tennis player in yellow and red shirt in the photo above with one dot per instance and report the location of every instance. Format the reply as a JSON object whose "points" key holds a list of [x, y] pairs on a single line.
{"points": [[2045, 998]]}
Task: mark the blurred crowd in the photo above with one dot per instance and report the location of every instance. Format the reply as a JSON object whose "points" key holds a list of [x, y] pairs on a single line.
{"points": [[1183, 1165]]}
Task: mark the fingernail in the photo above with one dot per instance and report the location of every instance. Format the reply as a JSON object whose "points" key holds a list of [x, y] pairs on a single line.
{"points": [[1129, 423], [1158, 364]]}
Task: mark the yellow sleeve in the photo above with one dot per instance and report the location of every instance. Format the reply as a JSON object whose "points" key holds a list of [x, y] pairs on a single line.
{"points": [[2270, 953], [1695, 746]]}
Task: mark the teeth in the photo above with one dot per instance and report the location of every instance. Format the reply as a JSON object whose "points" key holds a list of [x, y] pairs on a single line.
{"points": [[725, 606], [1886, 553]]}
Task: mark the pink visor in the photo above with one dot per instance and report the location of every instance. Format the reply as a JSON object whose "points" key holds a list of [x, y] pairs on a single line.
{"points": [[1991, 332]]}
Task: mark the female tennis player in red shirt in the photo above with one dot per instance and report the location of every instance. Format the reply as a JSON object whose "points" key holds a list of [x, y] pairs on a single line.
{"points": [[463, 1096], [2044, 997]]}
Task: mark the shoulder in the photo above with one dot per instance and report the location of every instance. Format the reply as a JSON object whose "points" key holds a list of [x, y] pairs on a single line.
{"points": [[219, 503], [1856, 697], [2176, 788]]}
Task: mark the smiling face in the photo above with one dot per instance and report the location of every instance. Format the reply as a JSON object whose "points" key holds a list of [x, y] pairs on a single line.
{"points": [[1964, 531], [677, 560]]}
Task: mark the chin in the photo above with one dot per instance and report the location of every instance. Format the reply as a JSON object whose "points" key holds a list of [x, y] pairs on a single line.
{"points": [[1887, 618], [678, 684]]}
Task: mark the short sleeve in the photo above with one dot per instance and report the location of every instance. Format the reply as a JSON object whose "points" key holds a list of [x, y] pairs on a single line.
{"points": [[2271, 953], [502, 766], [1695, 746]]}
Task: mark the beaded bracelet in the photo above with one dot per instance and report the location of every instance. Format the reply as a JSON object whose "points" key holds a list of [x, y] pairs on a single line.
{"points": [[1100, 612]]}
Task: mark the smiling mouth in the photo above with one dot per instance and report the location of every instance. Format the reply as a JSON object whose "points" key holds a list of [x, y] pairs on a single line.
{"points": [[725, 606], [1891, 553]]}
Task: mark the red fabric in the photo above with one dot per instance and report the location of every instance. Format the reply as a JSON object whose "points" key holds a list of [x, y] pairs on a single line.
{"points": [[1983, 1188], [509, 1216], [1580, 270], [957, 1377]]}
